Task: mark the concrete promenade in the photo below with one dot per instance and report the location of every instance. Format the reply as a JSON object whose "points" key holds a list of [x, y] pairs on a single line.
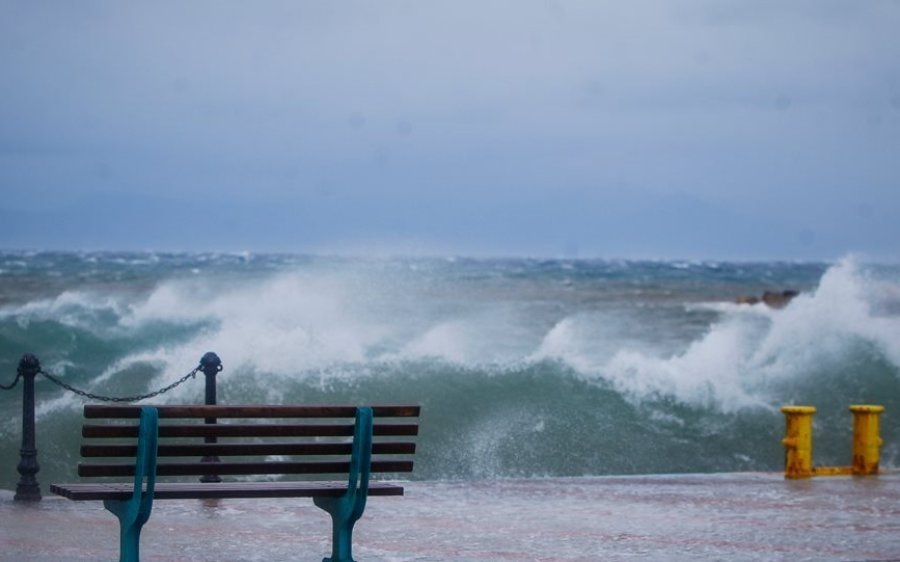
{"points": [[731, 517]]}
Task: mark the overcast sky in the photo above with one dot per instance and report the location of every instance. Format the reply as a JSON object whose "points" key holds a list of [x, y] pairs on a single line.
{"points": [[662, 129]]}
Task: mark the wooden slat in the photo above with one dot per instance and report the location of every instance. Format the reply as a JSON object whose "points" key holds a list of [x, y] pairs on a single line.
{"points": [[169, 491], [244, 468], [246, 449], [247, 430], [248, 411], [278, 424], [222, 430]]}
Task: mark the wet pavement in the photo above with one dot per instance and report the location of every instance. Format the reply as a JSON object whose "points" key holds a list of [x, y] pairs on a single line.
{"points": [[733, 517]]}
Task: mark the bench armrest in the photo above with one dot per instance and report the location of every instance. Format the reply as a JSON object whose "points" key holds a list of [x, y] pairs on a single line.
{"points": [[360, 461], [135, 511], [137, 508]]}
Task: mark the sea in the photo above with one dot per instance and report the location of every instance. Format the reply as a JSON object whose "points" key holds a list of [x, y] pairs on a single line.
{"points": [[525, 368]]}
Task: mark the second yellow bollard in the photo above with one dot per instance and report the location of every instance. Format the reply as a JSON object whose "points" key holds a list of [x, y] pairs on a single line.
{"points": [[866, 439], [798, 441]]}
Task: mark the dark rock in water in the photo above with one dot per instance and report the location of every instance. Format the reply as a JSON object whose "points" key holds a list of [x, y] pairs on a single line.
{"points": [[778, 300], [770, 298]]}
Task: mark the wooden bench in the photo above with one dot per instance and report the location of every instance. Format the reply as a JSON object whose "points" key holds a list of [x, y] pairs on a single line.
{"points": [[306, 446]]}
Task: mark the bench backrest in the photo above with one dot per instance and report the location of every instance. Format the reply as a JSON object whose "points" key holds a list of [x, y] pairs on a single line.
{"points": [[313, 441]]}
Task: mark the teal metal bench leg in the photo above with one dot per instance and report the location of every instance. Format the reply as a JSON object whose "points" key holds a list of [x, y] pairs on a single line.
{"points": [[347, 509], [134, 512], [341, 528], [129, 529]]}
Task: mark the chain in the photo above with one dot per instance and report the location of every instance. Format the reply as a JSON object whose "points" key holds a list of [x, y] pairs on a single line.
{"points": [[10, 387], [137, 398]]}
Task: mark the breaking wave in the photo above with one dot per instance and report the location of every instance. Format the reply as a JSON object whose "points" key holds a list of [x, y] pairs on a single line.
{"points": [[523, 367]]}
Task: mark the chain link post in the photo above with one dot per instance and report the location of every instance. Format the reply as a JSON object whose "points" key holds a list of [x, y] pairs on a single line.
{"points": [[28, 488], [210, 364]]}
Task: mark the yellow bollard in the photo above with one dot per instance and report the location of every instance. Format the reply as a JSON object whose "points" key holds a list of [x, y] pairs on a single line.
{"points": [[798, 441], [866, 439]]}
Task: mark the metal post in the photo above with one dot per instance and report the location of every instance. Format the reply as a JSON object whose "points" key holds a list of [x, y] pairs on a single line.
{"points": [[210, 364], [798, 441], [866, 438], [28, 488]]}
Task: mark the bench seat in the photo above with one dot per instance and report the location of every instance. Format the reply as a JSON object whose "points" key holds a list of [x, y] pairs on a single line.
{"points": [[211, 490], [137, 454]]}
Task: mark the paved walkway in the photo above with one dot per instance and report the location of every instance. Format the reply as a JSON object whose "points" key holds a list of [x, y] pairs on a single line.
{"points": [[733, 517]]}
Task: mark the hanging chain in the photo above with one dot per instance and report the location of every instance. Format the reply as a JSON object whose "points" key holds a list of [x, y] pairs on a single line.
{"points": [[11, 386], [137, 398]]}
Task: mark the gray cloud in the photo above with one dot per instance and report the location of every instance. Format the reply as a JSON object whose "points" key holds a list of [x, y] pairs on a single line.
{"points": [[401, 115]]}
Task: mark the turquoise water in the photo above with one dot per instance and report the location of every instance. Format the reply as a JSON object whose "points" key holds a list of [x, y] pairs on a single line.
{"points": [[524, 367]]}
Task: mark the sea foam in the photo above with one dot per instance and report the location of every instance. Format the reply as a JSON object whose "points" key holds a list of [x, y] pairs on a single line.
{"points": [[602, 367], [750, 348]]}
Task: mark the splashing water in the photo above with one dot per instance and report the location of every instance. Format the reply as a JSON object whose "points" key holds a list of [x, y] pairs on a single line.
{"points": [[523, 367]]}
